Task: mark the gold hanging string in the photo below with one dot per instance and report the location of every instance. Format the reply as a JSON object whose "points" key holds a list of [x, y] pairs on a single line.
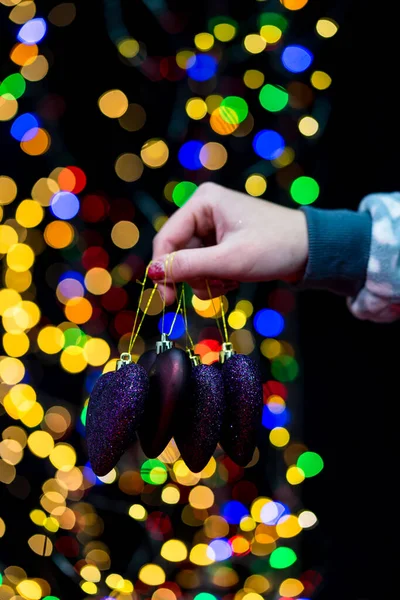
{"points": [[134, 333], [224, 335], [165, 287], [191, 347]]}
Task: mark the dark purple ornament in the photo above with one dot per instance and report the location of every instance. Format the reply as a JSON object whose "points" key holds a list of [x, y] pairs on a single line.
{"points": [[244, 404], [115, 409], [199, 428], [169, 375]]}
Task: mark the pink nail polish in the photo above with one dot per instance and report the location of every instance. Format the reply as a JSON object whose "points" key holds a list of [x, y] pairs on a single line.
{"points": [[156, 270]]}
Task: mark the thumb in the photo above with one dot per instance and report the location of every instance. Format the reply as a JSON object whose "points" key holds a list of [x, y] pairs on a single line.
{"points": [[184, 265]]}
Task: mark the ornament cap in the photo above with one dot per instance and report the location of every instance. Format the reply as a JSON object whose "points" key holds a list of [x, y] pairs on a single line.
{"points": [[194, 358], [164, 344], [124, 359], [226, 352]]}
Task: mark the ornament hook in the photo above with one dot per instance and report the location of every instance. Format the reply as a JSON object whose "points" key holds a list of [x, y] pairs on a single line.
{"points": [[226, 352], [124, 359]]}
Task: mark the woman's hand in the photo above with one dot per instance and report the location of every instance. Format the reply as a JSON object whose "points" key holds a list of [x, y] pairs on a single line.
{"points": [[227, 237]]}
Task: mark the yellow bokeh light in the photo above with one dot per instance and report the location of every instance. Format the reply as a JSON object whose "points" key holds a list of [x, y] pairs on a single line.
{"points": [[295, 475], [201, 497], [285, 159], [16, 344], [256, 185], [170, 494], [113, 104], [253, 79], [196, 108], [209, 469], [44, 190], [129, 167], [40, 443], [8, 299], [41, 544], [125, 234], [204, 41], [199, 555], [20, 257], [38, 516], [8, 189], [257, 506], [279, 437], [254, 43], [138, 512], [257, 583], [154, 153], [247, 524], [216, 527], [224, 32], [34, 416], [152, 574], [240, 545], [308, 126], [293, 4], [109, 477], [12, 370], [35, 72], [73, 360], [307, 519], [51, 339], [185, 58], [96, 352], [128, 47], [183, 474], [11, 451], [134, 118], [98, 281], [114, 581], [290, 588], [19, 282], [63, 457], [326, 28], [213, 156], [246, 307], [213, 102], [8, 238], [29, 589], [2, 527], [288, 526], [174, 551], [237, 319], [89, 587], [8, 107], [320, 80], [91, 573], [29, 213], [270, 33]]}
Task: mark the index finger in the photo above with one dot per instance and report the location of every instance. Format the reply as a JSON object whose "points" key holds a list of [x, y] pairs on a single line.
{"points": [[193, 220]]}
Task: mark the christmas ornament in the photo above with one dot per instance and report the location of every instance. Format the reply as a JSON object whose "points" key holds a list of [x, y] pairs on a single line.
{"points": [[244, 403], [115, 409], [198, 431], [169, 372]]}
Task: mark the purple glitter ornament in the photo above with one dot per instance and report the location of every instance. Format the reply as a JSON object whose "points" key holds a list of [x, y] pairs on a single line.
{"points": [[115, 410], [169, 375], [244, 403], [202, 414]]}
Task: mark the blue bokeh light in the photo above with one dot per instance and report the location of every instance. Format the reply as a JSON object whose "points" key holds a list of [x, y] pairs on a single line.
{"points": [[72, 275], [179, 325], [189, 155], [219, 549], [296, 59], [234, 511], [64, 205], [268, 323], [272, 512], [91, 380], [271, 420], [25, 127], [204, 67], [268, 144], [32, 31]]}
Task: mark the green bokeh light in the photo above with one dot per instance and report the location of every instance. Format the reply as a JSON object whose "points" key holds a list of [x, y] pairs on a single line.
{"points": [[204, 596], [182, 192], [14, 85], [153, 471], [310, 463], [74, 336], [273, 98], [238, 105], [304, 190], [51, 598], [271, 18], [283, 557], [285, 368], [84, 415]]}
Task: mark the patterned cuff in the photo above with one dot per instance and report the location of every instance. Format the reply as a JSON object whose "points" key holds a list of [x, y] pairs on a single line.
{"points": [[379, 299]]}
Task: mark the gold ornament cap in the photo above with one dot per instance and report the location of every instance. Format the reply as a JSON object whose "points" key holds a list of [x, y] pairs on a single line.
{"points": [[194, 358], [164, 344], [226, 352], [124, 359]]}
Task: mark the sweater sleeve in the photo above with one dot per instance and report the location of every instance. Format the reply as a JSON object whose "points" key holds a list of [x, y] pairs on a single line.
{"points": [[379, 298]]}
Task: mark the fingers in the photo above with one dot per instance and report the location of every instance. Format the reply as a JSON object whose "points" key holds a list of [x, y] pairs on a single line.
{"points": [[194, 219]]}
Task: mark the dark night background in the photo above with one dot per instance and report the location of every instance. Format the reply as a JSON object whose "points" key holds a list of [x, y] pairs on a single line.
{"points": [[349, 368]]}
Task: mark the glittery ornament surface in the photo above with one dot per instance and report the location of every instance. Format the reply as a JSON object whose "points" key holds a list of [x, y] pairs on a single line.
{"points": [[199, 429], [115, 410], [244, 402], [169, 388]]}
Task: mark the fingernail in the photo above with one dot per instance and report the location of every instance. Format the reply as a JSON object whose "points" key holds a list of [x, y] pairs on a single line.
{"points": [[156, 270]]}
